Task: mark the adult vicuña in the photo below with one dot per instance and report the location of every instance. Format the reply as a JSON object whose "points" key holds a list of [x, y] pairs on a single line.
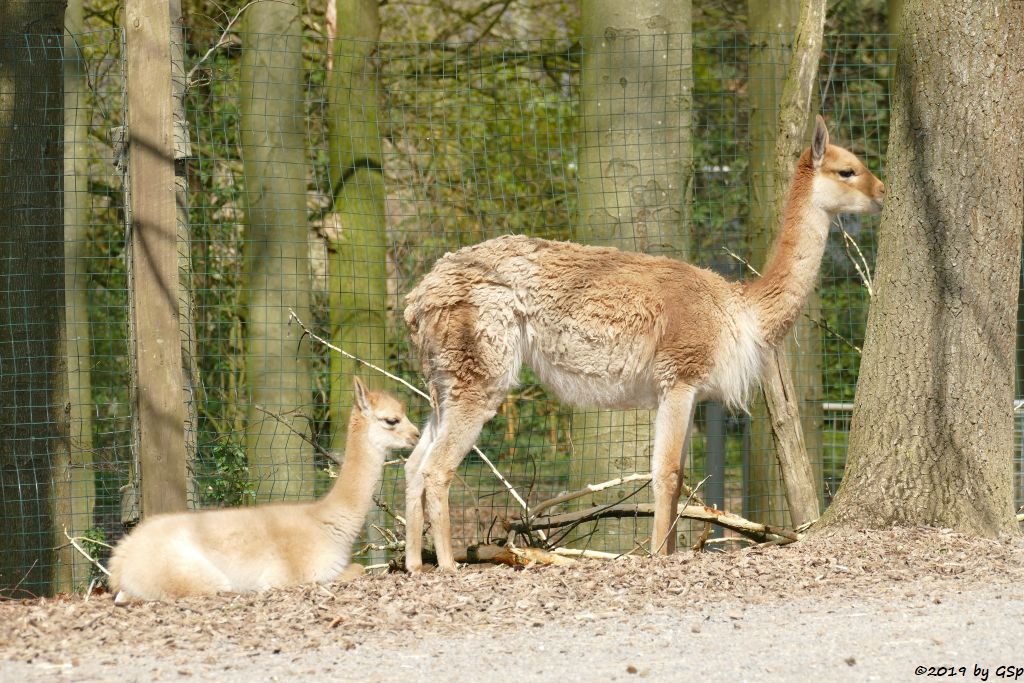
{"points": [[269, 546], [608, 328]]}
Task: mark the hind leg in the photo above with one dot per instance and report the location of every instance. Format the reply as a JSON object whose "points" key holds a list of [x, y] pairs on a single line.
{"points": [[671, 444]]}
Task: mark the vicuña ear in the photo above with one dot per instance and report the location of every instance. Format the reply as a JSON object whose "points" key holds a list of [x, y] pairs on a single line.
{"points": [[362, 400], [819, 143]]}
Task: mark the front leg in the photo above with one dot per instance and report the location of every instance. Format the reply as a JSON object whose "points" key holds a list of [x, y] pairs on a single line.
{"points": [[671, 444]]}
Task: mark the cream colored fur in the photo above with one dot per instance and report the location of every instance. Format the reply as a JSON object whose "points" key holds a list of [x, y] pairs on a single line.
{"points": [[269, 546], [608, 328]]}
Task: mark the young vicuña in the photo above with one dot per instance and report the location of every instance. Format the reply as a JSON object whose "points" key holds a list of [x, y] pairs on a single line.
{"points": [[609, 328], [269, 546]]}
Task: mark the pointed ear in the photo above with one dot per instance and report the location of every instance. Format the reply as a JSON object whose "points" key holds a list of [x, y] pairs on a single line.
{"points": [[819, 143], [362, 400]]}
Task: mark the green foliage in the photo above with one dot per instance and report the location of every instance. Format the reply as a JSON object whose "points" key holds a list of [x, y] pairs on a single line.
{"points": [[223, 476], [844, 306]]}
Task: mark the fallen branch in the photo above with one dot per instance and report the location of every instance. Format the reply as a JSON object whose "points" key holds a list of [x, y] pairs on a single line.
{"points": [[760, 532], [587, 554], [512, 556]]}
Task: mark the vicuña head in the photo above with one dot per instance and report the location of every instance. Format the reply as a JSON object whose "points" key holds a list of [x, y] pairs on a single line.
{"points": [[842, 183], [269, 546], [608, 328]]}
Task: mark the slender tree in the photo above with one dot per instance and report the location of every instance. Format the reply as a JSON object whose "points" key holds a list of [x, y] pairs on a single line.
{"points": [[34, 421], [357, 268], [634, 187], [783, 423], [932, 434], [277, 367], [772, 25], [74, 481]]}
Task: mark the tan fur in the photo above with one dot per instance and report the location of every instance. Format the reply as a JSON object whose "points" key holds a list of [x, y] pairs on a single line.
{"points": [[255, 548], [608, 328]]}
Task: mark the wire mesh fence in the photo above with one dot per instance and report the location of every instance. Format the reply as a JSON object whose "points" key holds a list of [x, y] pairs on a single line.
{"points": [[326, 187]]}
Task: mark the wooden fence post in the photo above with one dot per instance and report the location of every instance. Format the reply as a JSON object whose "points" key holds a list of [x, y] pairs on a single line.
{"points": [[158, 412]]}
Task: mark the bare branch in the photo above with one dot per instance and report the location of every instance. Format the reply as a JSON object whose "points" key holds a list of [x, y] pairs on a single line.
{"points": [[223, 40], [74, 542], [589, 489], [860, 263], [742, 260], [312, 442]]}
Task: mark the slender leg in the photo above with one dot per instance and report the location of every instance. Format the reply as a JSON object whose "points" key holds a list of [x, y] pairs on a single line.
{"points": [[458, 430], [671, 440], [414, 496]]}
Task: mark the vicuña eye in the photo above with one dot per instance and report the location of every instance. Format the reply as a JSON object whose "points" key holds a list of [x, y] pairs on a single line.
{"points": [[391, 421], [847, 173]]}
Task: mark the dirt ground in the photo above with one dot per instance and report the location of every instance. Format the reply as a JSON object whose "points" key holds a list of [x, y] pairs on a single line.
{"points": [[865, 606]]}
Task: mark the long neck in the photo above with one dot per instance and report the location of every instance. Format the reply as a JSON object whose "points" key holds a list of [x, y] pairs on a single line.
{"points": [[791, 272], [345, 506]]}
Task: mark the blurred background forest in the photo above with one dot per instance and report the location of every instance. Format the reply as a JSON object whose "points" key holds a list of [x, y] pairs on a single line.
{"points": [[328, 153]]}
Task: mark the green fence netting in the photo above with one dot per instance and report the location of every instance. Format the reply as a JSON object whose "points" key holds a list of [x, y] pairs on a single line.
{"points": [[329, 189]]}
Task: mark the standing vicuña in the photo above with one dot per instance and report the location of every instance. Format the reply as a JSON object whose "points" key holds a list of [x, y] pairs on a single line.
{"points": [[609, 328], [255, 548]]}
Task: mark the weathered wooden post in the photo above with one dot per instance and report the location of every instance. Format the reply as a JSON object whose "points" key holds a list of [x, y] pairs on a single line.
{"points": [[158, 412]]}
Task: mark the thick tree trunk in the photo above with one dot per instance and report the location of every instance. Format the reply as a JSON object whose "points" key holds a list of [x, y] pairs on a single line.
{"points": [[932, 434], [34, 421], [277, 367], [634, 193], [357, 269], [74, 484]]}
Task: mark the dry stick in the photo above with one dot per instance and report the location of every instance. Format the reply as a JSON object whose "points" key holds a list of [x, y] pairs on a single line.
{"points": [[386, 509], [742, 260], [588, 554], [589, 489], [22, 580], [698, 512], [86, 555], [862, 267], [511, 489]]}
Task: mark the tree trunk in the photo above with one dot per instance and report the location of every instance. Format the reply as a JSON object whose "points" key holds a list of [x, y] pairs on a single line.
{"points": [[932, 435], [357, 268], [277, 366], [792, 394], [634, 193], [772, 26], [34, 420], [73, 477]]}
